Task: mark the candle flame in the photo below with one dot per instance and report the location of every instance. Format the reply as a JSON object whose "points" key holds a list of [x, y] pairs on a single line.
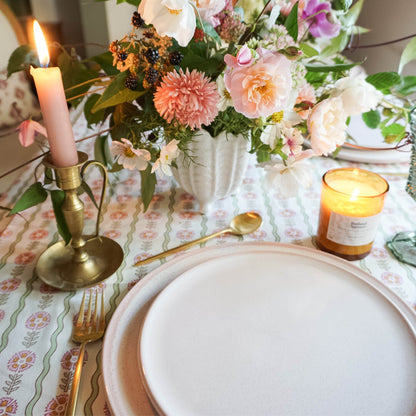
{"points": [[354, 194], [41, 45]]}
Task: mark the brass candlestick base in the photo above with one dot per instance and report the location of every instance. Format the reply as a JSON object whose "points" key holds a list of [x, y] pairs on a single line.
{"points": [[86, 260]]}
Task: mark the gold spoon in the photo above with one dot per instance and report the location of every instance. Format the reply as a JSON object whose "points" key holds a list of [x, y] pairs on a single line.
{"points": [[242, 224]]}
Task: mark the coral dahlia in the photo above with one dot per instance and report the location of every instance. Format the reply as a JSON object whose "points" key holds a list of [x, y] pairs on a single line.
{"points": [[188, 97]]}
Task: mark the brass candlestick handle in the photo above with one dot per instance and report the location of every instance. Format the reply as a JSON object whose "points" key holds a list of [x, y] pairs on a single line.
{"points": [[86, 260]]}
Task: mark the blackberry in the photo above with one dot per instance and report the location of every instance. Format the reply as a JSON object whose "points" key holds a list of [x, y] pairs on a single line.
{"points": [[131, 82], [122, 55], [175, 57], [137, 20], [151, 76], [152, 55]]}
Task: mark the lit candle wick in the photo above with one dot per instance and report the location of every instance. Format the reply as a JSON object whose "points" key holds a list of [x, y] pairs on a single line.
{"points": [[354, 194], [41, 45]]}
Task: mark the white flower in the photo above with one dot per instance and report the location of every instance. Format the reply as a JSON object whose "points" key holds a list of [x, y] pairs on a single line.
{"points": [[167, 154], [271, 134], [129, 157], [327, 125], [225, 100], [209, 8], [290, 176], [358, 96], [174, 18], [292, 142]]}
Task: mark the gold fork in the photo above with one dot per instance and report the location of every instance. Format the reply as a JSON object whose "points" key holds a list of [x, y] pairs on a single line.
{"points": [[89, 327]]}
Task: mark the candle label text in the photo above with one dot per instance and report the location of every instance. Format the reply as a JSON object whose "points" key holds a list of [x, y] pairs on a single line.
{"points": [[352, 231]]}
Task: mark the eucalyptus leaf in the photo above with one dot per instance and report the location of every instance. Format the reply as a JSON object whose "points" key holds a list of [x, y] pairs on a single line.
{"points": [[33, 195], [291, 22], [148, 185], [58, 197], [372, 118], [21, 58], [408, 54], [116, 93]]}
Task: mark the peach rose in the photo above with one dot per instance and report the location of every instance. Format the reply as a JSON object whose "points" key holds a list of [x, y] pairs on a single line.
{"points": [[327, 125], [261, 89]]}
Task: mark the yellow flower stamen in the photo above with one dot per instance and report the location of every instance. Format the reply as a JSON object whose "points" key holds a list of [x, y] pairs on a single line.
{"points": [[174, 11], [128, 152], [277, 117]]}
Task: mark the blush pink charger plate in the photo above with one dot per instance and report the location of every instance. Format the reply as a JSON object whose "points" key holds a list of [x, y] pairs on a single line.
{"points": [[260, 328]]}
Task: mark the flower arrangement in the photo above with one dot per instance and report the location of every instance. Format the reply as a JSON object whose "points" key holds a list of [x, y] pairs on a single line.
{"points": [[270, 71]]}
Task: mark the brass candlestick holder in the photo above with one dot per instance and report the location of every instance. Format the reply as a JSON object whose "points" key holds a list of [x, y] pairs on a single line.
{"points": [[87, 259]]}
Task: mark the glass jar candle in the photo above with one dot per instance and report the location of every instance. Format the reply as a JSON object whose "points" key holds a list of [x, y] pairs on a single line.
{"points": [[351, 201]]}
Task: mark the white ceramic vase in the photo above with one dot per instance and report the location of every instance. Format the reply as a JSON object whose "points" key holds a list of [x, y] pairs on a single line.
{"points": [[217, 167]]}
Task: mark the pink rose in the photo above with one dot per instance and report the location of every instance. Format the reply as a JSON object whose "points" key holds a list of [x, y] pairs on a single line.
{"points": [[327, 125], [261, 89], [244, 57]]}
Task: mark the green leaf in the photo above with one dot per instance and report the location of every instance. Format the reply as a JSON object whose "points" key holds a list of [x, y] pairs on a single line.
{"points": [[116, 93], [33, 195], [372, 118], [73, 74], [359, 30], [20, 59], [331, 68], [342, 5], [308, 50], [208, 30], [393, 129], [102, 151], [58, 198], [93, 118], [408, 54], [337, 45], [352, 15], [384, 80], [148, 186], [209, 65], [407, 86], [86, 188], [291, 22], [48, 178], [105, 60]]}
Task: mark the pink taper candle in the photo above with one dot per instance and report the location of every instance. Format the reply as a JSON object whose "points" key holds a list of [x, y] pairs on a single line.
{"points": [[52, 100]]}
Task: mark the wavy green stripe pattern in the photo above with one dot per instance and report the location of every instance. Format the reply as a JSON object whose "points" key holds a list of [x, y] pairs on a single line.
{"points": [[166, 235], [113, 300], [270, 211], [305, 216], [48, 355], [16, 313]]}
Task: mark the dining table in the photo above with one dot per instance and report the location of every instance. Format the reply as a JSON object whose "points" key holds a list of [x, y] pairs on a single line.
{"points": [[37, 354]]}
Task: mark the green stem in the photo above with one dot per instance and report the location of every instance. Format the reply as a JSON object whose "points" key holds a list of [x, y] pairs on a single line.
{"points": [[88, 82]]}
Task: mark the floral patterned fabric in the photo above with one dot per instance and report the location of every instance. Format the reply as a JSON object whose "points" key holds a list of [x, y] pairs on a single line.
{"points": [[17, 101], [37, 356]]}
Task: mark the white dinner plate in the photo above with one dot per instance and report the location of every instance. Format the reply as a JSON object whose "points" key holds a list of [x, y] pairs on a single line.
{"points": [[318, 334], [370, 138]]}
